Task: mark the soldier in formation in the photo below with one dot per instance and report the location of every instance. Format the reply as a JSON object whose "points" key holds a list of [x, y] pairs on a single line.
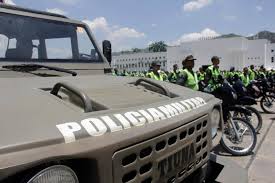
{"points": [[209, 78]]}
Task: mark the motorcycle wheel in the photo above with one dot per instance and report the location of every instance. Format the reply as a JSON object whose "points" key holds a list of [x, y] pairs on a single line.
{"points": [[268, 104], [248, 138], [255, 118]]}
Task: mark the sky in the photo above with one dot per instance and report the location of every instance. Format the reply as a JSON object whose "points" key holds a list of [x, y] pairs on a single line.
{"points": [[137, 23]]}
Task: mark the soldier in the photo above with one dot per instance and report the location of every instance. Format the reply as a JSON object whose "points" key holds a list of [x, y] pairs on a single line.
{"points": [[187, 76], [124, 73], [201, 74], [173, 75], [251, 73], [115, 72], [262, 72], [155, 72], [213, 72], [245, 77]]}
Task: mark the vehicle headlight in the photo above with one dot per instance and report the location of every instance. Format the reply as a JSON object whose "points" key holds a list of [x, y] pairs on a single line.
{"points": [[55, 174], [215, 121]]}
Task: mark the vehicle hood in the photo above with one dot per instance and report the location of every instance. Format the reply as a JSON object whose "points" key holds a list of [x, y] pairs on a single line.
{"points": [[30, 114]]}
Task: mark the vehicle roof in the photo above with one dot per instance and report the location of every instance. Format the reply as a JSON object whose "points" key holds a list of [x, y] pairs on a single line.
{"points": [[5, 8]]}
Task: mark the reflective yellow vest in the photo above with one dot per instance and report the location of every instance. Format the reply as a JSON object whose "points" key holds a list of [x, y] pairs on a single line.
{"points": [[215, 72], [154, 76], [192, 80], [245, 79], [252, 74]]}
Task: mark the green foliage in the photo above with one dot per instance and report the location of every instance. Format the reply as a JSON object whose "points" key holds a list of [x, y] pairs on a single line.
{"points": [[136, 50], [158, 47]]}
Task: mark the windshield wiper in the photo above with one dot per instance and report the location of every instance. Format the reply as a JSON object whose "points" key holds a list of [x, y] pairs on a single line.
{"points": [[34, 67]]}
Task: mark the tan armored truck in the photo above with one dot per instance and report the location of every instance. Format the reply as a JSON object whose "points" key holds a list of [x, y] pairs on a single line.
{"points": [[64, 120]]}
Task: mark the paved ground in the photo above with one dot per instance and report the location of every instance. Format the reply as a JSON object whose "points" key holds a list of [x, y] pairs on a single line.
{"points": [[261, 164]]}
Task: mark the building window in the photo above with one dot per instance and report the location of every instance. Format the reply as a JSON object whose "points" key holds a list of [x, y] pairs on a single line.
{"points": [[272, 59], [272, 51]]}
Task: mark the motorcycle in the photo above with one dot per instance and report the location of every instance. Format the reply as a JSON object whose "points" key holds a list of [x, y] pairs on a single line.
{"points": [[239, 136], [253, 116], [262, 90]]}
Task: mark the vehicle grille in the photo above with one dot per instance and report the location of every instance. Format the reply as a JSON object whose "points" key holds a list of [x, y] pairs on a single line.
{"points": [[140, 163]]}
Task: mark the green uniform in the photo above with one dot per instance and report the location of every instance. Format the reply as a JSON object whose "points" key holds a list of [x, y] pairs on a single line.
{"points": [[201, 76], [115, 74], [164, 76], [173, 76], [152, 75], [230, 75], [191, 80], [245, 79], [251, 74], [261, 73], [215, 72]]}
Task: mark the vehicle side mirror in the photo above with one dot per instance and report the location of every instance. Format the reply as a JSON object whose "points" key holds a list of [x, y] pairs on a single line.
{"points": [[107, 50]]}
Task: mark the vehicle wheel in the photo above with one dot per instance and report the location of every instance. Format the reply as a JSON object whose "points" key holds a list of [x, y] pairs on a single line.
{"points": [[247, 137], [268, 104], [256, 118]]}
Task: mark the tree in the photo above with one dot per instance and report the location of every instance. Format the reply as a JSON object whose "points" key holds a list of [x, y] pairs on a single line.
{"points": [[136, 50], [158, 47]]}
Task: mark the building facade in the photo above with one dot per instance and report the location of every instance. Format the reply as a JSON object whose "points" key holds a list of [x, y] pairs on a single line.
{"points": [[237, 52], [139, 61], [272, 60]]}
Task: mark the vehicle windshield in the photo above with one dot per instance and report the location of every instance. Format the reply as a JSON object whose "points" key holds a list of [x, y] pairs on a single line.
{"points": [[32, 39]]}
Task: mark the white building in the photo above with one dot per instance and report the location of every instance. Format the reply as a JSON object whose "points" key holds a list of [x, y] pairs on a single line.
{"points": [[235, 52], [139, 61], [272, 63]]}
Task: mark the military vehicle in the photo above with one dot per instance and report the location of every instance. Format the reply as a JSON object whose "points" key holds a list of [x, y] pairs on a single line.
{"points": [[63, 119]]}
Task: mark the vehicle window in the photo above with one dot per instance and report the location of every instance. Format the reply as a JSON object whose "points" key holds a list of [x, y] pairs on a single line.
{"points": [[35, 44], [26, 38], [86, 48], [12, 44], [59, 48], [3, 45]]}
